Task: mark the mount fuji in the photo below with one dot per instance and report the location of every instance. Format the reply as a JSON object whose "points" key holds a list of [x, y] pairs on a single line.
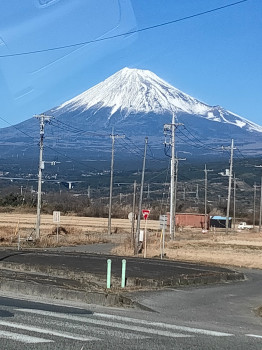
{"points": [[135, 91], [137, 103]]}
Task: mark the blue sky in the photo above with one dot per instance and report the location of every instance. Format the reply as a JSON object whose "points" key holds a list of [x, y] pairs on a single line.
{"points": [[215, 57]]}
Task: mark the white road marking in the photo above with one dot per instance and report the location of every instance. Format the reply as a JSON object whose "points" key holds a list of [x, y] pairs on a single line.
{"points": [[45, 331], [106, 323], [164, 325], [23, 338], [104, 332], [254, 335]]}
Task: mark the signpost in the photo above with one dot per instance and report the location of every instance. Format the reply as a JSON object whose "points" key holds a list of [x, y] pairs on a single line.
{"points": [[145, 213], [163, 225], [56, 220]]}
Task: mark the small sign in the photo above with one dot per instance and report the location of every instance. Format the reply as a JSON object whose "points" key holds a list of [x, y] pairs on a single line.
{"points": [[130, 217], [163, 221], [56, 217], [146, 213], [141, 236]]}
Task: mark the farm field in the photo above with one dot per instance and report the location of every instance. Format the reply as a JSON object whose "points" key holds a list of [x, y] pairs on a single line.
{"points": [[237, 249]]}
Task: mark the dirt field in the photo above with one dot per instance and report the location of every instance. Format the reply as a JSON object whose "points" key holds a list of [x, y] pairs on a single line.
{"points": [[241, 249]]}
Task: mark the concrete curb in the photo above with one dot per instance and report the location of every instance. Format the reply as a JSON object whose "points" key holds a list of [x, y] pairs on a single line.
{"points": [[60, 287], [82, 277], [190, 280], [60, 292]]}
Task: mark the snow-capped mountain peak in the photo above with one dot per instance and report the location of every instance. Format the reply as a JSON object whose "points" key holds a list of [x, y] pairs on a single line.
{"points": [[135, 91], [132, 91]]}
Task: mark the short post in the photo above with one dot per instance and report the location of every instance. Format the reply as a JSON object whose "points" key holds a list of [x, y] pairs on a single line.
{"points": [[123, 281], [108, 279], [18, 242], [145, 240], [56, 220], [57, 236], [161, 245], [163, 241]]}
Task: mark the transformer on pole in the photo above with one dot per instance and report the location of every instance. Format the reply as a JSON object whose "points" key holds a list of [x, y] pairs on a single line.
{"points": [[170, 129], [43, 119]]}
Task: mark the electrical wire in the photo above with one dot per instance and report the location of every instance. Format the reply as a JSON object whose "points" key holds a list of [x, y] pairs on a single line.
{"points": [[30, 136], [135, 31], [64, 126]]}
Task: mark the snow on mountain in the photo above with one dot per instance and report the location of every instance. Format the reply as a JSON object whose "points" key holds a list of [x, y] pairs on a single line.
{"points": [[136, 90], [132, 91]]}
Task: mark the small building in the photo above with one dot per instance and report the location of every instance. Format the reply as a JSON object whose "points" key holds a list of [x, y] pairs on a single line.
{"points": [[190, 220], [220, 221]]}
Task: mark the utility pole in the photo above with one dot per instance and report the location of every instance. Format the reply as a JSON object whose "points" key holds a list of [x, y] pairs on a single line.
{"points": [[148, 191], [170, 128], [260, 209], [197, 193], [172, 179], [206, 171], [234, 207], [113, 137], [43, 119], [254, 207], [229, 182], [133, 242], [175, 194], [141, 194]]}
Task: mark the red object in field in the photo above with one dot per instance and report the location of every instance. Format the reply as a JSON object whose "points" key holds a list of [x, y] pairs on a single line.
{"points": [[145, 213]]}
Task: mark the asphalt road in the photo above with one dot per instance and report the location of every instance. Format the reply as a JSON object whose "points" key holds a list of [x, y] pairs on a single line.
{"points": [[210, 317], [96, 264]]}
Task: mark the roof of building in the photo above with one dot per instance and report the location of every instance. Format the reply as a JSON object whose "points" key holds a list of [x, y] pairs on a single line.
{"points": [[219, 217], [195, 214]]}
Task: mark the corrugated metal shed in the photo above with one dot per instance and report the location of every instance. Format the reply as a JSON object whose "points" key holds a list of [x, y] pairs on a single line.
{"points": [[191, 220]]}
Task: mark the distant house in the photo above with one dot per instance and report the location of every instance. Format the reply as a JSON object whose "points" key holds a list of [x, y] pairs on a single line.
{"points": [[220, 221]]}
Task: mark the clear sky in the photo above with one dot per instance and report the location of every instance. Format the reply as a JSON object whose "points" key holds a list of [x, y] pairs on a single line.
{"points": [[216, 57]]}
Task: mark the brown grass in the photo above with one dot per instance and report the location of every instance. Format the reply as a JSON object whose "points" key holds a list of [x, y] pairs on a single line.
{"points": [[235, 249], [241, 249], [72, 230]]}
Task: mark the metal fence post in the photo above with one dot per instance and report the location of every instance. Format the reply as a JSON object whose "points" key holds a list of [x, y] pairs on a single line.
{"points": [[108, 279], [123, 281]]}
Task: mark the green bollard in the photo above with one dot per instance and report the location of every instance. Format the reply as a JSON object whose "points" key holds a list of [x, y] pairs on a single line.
{"points": [[123, 281], [108, 279]]}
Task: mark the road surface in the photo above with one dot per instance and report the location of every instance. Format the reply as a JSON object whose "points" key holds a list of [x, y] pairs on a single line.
{"points": [[208, 317]]}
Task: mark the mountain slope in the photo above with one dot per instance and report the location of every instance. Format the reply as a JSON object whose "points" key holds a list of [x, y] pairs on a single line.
{"points": [[136, 103], [133, 91]]}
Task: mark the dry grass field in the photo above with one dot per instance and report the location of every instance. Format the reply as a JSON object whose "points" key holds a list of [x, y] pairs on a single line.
{"points": [[239, 249]]}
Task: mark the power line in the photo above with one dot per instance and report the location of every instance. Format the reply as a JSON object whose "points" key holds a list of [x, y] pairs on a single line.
{"points": [[64, 126], [125, 33], [17, 128], [73, 159], [201, 144]]}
